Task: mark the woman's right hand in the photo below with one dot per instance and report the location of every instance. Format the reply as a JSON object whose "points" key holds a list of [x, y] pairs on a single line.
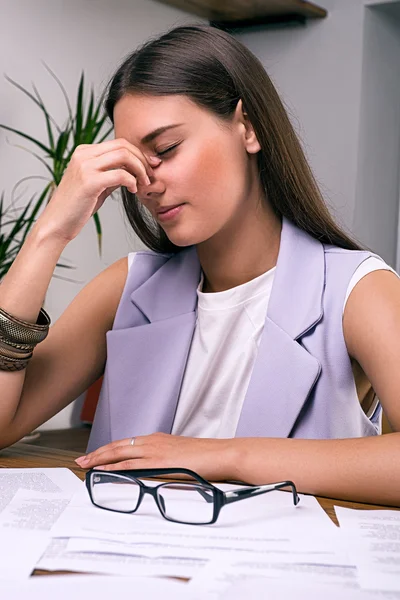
{"points": [[93, 173]]}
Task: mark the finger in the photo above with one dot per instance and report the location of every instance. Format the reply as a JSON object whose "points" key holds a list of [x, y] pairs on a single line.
{"points": [[95, 150], [132, 463], [106, 448], [117, 178], [121, 158], [111, 456]]}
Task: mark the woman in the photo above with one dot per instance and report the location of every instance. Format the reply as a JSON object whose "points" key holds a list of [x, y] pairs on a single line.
{"points": [[249, 343]]}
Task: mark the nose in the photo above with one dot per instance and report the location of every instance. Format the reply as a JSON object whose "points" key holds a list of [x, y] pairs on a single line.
{"points": [[156, 187]]}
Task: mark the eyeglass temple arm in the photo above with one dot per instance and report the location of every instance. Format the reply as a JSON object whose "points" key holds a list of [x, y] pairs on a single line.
{"points": [[248, 492]]}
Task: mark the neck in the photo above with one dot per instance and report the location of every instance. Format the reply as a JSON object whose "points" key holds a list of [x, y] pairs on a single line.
{"points": [[241, 252]]}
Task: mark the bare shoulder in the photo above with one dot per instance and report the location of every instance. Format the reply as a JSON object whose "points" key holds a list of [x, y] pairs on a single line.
{"points": [[371, 327], [105, 290], [74, 353]]}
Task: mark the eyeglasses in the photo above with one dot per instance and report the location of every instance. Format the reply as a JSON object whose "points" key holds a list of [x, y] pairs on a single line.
{"points": [[195, 502]]}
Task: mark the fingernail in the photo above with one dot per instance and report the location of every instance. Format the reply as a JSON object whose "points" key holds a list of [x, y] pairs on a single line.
{"points": [[82, 460], [155, 160]]}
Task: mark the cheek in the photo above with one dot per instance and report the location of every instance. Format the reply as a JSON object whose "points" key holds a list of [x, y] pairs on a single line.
{"points": [[206, 169]]}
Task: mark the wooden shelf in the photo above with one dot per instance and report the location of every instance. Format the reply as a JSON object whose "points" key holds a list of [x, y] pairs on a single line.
{"points": [[241, 13]]}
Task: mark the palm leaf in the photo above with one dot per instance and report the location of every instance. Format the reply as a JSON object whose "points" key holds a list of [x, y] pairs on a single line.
{"points": [[79, 113], [29, 138], [32, 97], [47, 118], [12, 240], [83, 126], [63, 90]]}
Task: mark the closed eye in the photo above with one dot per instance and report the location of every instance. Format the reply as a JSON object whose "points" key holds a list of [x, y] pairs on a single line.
{"points": [[167, 150]]}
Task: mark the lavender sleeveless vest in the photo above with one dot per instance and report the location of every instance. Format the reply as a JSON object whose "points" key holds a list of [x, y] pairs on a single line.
{"points": [[302, 383]]}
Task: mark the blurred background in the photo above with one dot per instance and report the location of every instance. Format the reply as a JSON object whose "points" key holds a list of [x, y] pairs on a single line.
{"points": [[338, 73]]}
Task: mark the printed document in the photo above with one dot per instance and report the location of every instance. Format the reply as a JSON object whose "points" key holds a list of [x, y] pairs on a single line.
{"points": [[374, 545], [48, 481], [65, 587]]}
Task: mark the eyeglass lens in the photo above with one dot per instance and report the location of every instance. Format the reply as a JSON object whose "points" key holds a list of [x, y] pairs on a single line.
{"points": [[185, 502], [115, 492]]}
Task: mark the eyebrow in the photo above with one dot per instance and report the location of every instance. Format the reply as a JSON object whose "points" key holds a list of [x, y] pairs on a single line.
{"points": [[153, 134]]}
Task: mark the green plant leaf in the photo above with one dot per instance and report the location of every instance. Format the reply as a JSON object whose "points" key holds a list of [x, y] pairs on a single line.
{"points": [[31, 96], [106, 135], [79, 112], [97, 223], [63, 90], [28, 137], [83, 126], [46, 116], [40, 159]]}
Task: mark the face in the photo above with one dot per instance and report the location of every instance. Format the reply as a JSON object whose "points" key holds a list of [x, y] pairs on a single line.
{"points": [[206, 168]]}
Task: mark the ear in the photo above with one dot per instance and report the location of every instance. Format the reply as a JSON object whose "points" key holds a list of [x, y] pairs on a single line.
{"points": [[249, 137]]}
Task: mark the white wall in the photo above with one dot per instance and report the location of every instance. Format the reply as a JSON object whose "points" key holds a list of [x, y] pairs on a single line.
{"points": [[317, 69], [324, 70], [93, 35], [377, 193], [340, 78]]}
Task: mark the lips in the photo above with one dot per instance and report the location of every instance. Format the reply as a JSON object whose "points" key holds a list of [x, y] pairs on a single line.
{"points": [[164, 209]]}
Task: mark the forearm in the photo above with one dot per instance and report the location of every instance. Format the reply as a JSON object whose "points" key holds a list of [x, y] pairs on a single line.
{"points": [[23, 289], [358, 469], [22, 293]]}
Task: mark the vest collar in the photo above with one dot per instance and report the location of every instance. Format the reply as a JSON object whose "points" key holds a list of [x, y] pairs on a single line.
{"points": [[172, 289], [296, 302], [297, 293]]}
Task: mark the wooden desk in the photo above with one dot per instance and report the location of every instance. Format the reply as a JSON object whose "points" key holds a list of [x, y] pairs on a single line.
{"points": [[23, 456]]}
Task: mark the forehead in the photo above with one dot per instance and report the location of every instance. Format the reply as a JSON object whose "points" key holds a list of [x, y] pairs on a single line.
{"points": [[135, 116]]}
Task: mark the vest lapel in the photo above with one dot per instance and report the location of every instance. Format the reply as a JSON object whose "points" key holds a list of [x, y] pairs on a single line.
{"points": [[284, 372], [149, 358], [148, 355]]}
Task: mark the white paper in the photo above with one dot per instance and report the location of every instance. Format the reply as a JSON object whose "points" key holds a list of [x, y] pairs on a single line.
{"points": [[65, 587], [253, 588], [145, 542], [49, 481], [33, 511], [281, 548], [324, 568], [304, 580], [30, 502], [19, 554], [252, 527], [374, 545], [57, 558]]}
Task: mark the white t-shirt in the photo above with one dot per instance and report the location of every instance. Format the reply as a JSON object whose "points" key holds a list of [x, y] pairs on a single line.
{"points": [[223, 351]]}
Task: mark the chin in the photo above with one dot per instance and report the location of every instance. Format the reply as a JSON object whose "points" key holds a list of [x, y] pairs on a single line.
{"points": [[184, 240]]}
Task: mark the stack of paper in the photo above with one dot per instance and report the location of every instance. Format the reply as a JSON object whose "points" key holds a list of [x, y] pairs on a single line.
{"points": [[262, 543], [31, 500], [374, 546]]}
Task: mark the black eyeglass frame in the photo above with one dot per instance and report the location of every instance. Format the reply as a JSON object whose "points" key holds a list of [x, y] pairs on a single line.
{"points": [[218, 497]]}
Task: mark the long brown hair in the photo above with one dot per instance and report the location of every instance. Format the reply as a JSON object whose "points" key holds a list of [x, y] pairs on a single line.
{"points": [[215, 70]]}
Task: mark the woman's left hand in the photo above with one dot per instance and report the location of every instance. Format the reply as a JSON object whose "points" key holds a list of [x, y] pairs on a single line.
{"points": [[213, 459]]}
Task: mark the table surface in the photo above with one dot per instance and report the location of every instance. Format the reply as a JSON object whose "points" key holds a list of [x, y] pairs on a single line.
{"points": [[24, 455]]}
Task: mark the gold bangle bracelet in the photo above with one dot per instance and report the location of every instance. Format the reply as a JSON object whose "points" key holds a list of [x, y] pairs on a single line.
{"points": [[7, 353], [23, 347], [22, 332]]}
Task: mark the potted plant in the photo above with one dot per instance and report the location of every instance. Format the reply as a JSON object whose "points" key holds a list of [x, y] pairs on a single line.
{"points": [[82, 126], [85, 124]]}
